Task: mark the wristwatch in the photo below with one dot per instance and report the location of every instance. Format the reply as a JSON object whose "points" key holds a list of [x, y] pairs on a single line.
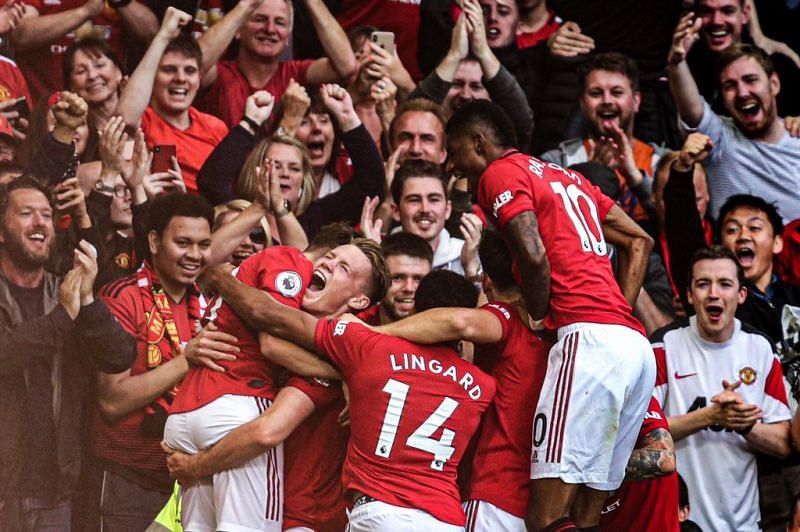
{"points": [[102, 188]]}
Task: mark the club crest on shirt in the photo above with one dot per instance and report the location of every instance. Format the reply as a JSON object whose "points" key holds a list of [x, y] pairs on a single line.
{"points": [[747, 375], [288, 284]]}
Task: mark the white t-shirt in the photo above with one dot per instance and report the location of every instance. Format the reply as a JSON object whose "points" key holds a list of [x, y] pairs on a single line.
{"points": [[739, 165], [719, 466]]}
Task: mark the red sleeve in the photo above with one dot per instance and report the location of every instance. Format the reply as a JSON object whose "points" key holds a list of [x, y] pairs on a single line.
{"points": [[654, 419], [343, 342], [661, 364], [505, 314], [322, 392], [504, 191], [123, 307], [281, 271], [603, 202]]}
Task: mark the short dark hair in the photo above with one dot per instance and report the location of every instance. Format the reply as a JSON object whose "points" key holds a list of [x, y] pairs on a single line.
{"points": [[610, 62], [164, 208], [496, 260], [185, 45], [332, 235], [93, 46], [683, 492], [715, 252], [753, 202], [737, 51], [412, 168], [26, 181], [380, 279], [408, 244], [420, 105], [443, 288], [483, 116]]}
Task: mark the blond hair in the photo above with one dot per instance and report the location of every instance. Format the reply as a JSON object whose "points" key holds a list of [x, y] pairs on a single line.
{"points": [[239, 205]]}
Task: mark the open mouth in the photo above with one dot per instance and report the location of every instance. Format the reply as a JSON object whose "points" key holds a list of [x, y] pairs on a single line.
{"points": [[178, 92], [746, 256], [749, 109], [714, 312], [424, 223], [316, 149], [241, 255], [318, 282], [492, 32], [36, 237], [190, 269]]}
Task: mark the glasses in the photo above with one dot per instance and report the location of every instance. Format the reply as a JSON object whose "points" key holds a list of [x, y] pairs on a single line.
{"points": [[121, 191]]}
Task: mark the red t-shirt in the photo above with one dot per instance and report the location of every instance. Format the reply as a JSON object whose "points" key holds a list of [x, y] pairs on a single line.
{"points": [[570, 211], [528, 39], [43, 66], [12, 82], [284, 273], [226, 97], [502, 463], [398, 16], [123, 442], [192, 145], [312, 460], [646, 505], [413, 410]]}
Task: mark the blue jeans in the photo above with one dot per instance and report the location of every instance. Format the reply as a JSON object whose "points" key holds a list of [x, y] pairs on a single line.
{"points": [[33, 514]]}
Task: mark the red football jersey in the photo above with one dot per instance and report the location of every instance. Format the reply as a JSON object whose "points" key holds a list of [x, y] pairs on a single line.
{"points": [[646, 505], [312, 460], [570, 211], [502, 463], [413, 410], [284, 273]]}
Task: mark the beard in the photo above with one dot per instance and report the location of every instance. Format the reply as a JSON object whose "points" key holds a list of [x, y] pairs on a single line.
{"points": [[16, 250]]}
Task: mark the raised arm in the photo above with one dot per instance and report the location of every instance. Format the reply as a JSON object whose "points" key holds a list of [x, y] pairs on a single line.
{"points": [[654, 458], [681, 83], [340, 62], [261, 311], [525, 243], [216, 39], [35, 30], [633, 246], [138, 20], [447, 325], [135, 96]]}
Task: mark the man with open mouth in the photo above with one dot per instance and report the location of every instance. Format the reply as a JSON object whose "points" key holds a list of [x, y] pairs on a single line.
{"points": [[752, 153], [713, 424]]}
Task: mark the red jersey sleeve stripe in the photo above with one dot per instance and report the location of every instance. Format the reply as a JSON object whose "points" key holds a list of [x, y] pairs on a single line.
{"points": [[661, 363], [774, 386]]}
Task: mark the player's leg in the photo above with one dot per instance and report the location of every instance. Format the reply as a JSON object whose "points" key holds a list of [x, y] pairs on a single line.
{"points": [[484, 516], [250, 497], [587, 507], [549, 505]]}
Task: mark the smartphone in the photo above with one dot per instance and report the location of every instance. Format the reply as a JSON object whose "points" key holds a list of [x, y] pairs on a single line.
{"points": [[384, 39], [162, 157], [22, 108]]}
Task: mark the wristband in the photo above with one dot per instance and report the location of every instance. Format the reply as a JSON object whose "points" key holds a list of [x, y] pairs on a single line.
{"points": [[284, 211], [745, 432], [252, 123], [116, 4]]}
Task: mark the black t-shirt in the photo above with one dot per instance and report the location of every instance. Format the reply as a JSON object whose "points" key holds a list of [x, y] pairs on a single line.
{"points": [[641, 30], [39, 466]]}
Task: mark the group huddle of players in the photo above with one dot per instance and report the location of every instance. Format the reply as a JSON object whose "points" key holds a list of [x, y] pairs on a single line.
{"points": [[562, 381]]}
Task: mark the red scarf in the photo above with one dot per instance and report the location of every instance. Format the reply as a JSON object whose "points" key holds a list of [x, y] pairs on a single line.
{"points": [[163, 341]]}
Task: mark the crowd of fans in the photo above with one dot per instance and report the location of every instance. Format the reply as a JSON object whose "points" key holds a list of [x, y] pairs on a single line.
{"points": [[391, 265]]}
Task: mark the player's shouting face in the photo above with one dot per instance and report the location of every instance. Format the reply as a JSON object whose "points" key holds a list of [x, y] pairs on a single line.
{"points": [[340, 281]]}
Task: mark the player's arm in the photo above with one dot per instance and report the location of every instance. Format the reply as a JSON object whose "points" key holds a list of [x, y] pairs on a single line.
{"points": [[633, 247], [339, 62], [262, 311], [654, 458], [770, 438], [296, 359], [524, 241], [137, 91], [447, 325], [270, 429], [35, 30]]}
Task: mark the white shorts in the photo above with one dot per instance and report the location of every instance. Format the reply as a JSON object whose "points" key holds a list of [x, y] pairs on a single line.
{"points": [[598, 384], [378, 516], [243, 499], [484, 516]]}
